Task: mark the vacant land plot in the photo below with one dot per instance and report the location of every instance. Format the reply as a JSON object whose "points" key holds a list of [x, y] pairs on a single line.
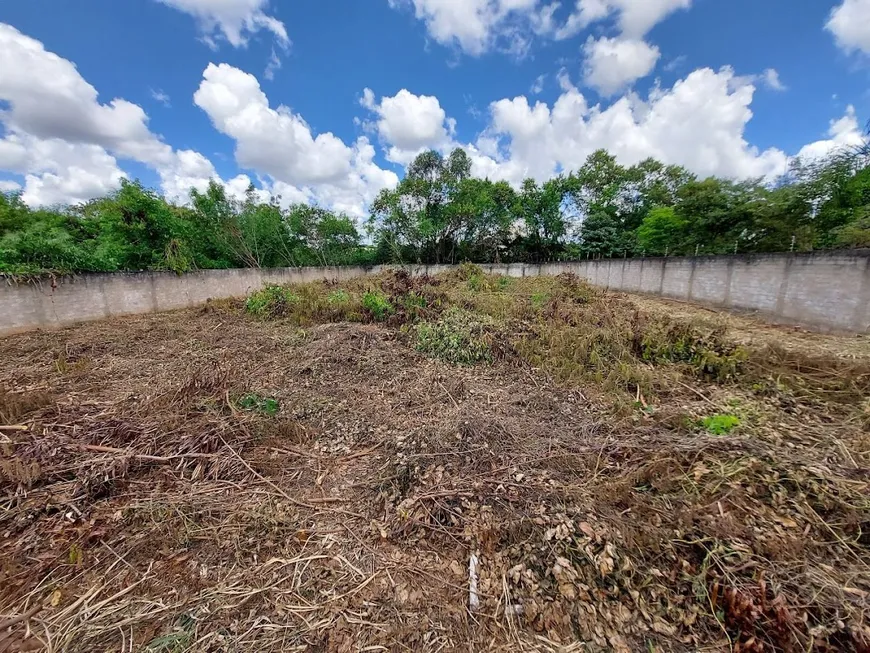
{"points": [[457, 463]]}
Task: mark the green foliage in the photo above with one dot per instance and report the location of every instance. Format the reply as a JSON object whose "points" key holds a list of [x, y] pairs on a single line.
{"points": [[338, 297], [257, 403], [413, 302], [458, 337], [271, 302], [720, 424], [705, 350], [136, 229], [538, 300], [475, 282], [440, 213], [661, 231], [377, 305]]}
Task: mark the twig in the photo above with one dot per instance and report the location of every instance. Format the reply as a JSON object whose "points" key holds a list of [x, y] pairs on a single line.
{"points": [[11, 621], [265, 480], [14, 427], [700, 394]]}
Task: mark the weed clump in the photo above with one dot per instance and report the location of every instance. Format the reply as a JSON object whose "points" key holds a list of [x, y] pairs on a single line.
{"points": [[257, 403], [704, 350], [720, 424], [272, 302], [378, 305], [458, 337], [338, 298]]}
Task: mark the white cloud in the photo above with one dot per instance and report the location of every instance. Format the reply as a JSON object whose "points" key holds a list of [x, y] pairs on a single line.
{"points": [[676, 63], [699, 123], [9, 186], [476, 26], [768, 79], [538, 85], [842, 133], [634, 17], [849, 22], [61, 138], [161, 97], [56, 171], [188, 170], [614, 63], [49, 99], [772, 81], [409, 124], [279, 144], [273, 66], [234, 20]]}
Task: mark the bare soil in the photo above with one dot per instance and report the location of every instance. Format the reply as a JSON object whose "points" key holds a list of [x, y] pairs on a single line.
{"points": [[142, 508]]}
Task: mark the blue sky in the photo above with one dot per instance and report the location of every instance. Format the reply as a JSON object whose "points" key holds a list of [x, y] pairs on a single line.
{"points": [[529, 87]]}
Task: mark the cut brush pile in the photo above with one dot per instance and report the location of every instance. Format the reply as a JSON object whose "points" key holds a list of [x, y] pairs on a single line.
{"points": [[433, 464]]}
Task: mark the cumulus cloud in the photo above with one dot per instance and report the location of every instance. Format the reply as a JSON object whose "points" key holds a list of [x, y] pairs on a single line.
{"points": [[611, 64], [842, 133], [849, 22], [409, 124], [614, 63], [634, 17], [699, 123], [56, 171], [476, 26], [233, 20], [60, 137], [279, 144]]}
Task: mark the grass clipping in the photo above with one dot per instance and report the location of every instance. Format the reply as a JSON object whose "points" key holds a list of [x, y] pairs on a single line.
{"points": [[464, 462]]}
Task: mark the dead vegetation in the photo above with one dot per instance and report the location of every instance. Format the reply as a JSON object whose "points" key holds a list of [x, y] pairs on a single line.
{"points": [[457, 463]]}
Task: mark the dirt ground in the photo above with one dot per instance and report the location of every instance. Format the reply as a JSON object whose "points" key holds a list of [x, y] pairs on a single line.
{"points": [[393, 502]]}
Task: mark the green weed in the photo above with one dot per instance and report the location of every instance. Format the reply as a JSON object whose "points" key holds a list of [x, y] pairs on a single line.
{"points": [[338, 298], [458, 337], [378, 305], [539, 299], [704, 349], [720, 424], [257, 403], [476, 282], [271, 302]]}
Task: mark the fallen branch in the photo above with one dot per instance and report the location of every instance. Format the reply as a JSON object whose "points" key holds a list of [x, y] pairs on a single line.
{"points": [[140, 456]]}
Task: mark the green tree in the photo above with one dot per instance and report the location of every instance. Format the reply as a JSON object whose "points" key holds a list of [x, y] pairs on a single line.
{"points": [[661, 232], [539, 210], [600, 234]]}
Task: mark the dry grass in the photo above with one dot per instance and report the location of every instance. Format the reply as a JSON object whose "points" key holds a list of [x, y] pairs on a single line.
{"points": [[143, 509]]}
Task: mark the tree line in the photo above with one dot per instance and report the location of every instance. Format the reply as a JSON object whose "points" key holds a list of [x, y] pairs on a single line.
{"points": [[441, 213]]}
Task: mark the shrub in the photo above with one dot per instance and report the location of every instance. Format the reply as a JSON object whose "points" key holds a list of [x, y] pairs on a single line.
{"points": [[458, 337], [377, 305], [704, 349], [271, 302]]}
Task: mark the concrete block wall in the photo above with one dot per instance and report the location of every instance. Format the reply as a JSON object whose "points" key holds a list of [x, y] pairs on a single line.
{"points": [[827, 290]]}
